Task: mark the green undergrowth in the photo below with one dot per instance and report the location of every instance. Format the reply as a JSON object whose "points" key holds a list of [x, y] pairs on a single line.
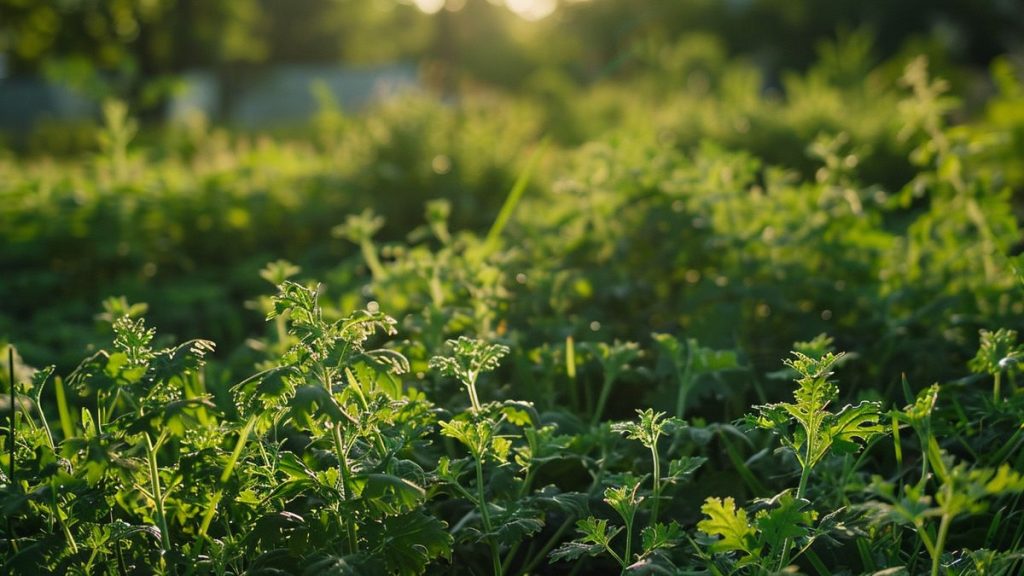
{"points": [[747, 335]]}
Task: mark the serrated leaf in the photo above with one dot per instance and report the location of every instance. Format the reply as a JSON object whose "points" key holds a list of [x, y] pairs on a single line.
{"points": [[350, 565], [311, 401], [660, 536], [625, 499], [786, 519], [729, 524], [513, 525], [273, 529], [574, 551], [596, 531], [569, 503], [408, 542], [394, 361], [396, 490], [855, 422], [680, 468]]}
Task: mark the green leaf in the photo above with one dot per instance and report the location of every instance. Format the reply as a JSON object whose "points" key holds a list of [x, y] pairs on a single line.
{"points": [[785, 519], [681, 468], [350, 565], [399, 491], [651, 426], [574, 550], [273, 529], [1006, 480], [408, 542], [311, 401], [731, 525], [514, 523], [661, 536], [997, 351], [625, 499], [595, 531], [470, 357], [853, 423]]}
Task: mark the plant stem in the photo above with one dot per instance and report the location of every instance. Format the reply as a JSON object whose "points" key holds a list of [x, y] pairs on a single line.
{"points": [[629, 544], [925, 538], [372, 262], [154, 482], [800, 490], [12, 415], [486, 516], [656, 492], [995, 387], [235, 454], [11, 438], [339, 450], [684, 384], [42, 419], [63, 525], [606, 390], [473, 399], [570, 371], [940, 542]]}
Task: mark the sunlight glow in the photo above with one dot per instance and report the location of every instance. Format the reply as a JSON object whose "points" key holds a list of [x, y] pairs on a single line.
{"points": [[532, 9], [429, 6]]}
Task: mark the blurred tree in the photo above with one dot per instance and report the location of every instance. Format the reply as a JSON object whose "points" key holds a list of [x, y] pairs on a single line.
{"points": [[126, 48]]}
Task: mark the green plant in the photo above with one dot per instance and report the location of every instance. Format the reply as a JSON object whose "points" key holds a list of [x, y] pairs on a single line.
{"points": [[811, 431], [998, 353], [627, 498]]}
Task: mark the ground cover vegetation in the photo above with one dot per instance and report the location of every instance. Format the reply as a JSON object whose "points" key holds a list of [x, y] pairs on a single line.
{"points": [[679, 326]]}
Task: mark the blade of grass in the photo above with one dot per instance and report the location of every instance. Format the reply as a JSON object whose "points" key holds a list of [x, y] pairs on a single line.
{"points": [[66, 425], [11, 437], [11, 415], [491, 242]]}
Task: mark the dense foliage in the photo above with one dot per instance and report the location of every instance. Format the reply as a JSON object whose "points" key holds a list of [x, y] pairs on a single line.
{"points": [[544, 334]]}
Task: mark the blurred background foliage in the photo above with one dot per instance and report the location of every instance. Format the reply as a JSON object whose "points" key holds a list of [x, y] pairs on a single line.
{"points": [[121, 47], [748, 172]]}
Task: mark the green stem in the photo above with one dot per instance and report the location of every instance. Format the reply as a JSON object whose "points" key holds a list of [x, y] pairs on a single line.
{"points": [[63, 525], [606, 390], [12, 415], [486, 517], [154, 482], [372, 262], [570, 371], [629, 545], [995, 387], [339, 449], [617, 558], [473, 399], [684, 385], [656, 492], [42, 419], [800, 490], [235, 454], [940, 542]]}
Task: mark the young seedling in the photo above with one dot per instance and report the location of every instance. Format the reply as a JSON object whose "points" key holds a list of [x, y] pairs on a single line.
{"points": [[998, 353], [809, 429], [961, 490], [470, 358], [597, 538], [652, 426], [627, 500], [479, 433]]}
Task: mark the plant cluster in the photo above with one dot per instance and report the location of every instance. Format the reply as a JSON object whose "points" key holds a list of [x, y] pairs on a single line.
{"points": [[587, 384]]}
